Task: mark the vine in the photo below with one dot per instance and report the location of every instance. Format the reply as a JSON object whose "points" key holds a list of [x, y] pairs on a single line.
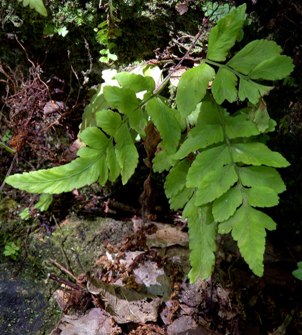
{"points": [[220, 172]]}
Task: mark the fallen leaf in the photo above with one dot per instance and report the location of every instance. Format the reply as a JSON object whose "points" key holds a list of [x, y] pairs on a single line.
{"points": [[95, 322], [166, 236], [126, 305]]}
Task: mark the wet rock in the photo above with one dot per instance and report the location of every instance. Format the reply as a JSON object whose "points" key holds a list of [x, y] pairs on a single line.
{"points": [[78, 243], [26, 303], [22, 307]]}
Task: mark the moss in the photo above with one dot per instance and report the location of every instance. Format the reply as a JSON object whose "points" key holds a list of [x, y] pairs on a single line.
{"points": [[76, 244], [26, 302]]}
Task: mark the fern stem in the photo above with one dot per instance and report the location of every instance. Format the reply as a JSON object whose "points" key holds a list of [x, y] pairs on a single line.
{"points": [[225, 66]]}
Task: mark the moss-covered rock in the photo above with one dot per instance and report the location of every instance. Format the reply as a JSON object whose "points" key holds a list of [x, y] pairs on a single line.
{"points": [[76, 244], [26, 302]]}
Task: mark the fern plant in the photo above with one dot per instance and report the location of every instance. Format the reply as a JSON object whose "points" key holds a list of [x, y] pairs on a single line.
{"points": [[220, 171]]}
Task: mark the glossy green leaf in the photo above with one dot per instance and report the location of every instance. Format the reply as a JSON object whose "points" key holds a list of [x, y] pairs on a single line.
{"points": [[261, 176], [76, 174], [126, 153], [44, 202], [103, 166], [124, 99], [298, 272], [176, 179], [205, 163], [224, 35], [202, 240], [37, 5], [253, 54], [112, 163], [275, 68], [162, 161], [175, 185], [208, 130], [240, 126], [248, 227], [224, 86], [225, 206], [96, 104], [259, 115], [109, 121], [138, 121], [215, 184], [180, 199], [251, 90], [257, 154], [192, 87], [86, 152], [210, 112], [135, 82], [262, 197], [94, 138], [165, 122], [193, 117], [200, 137]]}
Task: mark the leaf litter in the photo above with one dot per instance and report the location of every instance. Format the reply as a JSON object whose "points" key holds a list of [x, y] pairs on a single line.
{"points": [[139, 287]]}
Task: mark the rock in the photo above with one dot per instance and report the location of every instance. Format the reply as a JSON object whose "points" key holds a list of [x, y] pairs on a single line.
{"points": [[181, 325], [78, 242], [23, 306]]}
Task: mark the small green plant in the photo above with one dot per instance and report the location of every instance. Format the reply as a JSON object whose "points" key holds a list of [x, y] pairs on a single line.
{"points": [[105, 38], [42, 205], [219, 169], [25, 214], [298, 272], [5, 138], [106, 32], [37, 5], [215, 11], [7, 148], [11, 250], [44, 202]]}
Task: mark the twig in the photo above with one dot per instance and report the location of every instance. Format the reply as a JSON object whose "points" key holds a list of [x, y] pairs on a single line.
{"points": [[36, 68], [166, 80], [9, 171], [189, 50], [70, 82], [63, 269], [88, 71], [65, 282], [178, 65], [281, 330]]}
